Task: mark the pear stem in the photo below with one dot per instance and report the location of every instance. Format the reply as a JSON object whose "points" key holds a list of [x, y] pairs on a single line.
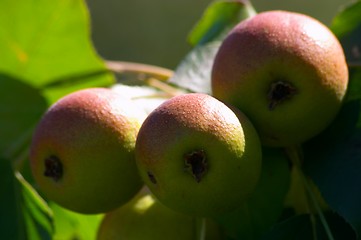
{"points": [[124, 67], [200, 228], [153, 76], [295, 155], [164, 87]]}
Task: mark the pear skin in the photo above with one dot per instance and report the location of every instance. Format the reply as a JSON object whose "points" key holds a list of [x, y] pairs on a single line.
{"points": [[197, 156], [82, 151], [286, 71]]}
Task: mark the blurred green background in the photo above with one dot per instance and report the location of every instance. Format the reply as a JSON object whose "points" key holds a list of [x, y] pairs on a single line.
{"points": [[155, 32]]}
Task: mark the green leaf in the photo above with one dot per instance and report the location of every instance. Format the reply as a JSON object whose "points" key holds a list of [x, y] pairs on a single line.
{"points": [[302, 227], [21, 106], [332, 159], [354, 86], [70, 225], [24, 215], [12, 224], [265, 206], [63, 86], [347, 27], [194, 71], [295, 228], [218, 18], [38, 216], [347, 20], [41, 41]]}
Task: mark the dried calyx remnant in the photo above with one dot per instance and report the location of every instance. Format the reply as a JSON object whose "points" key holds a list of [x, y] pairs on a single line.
{"points": [[196, 164], [279, 92], [151, 177], [53, 168]]}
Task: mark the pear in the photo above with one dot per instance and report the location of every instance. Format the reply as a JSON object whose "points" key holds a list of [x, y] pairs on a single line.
{"points": [[145, 218], [82, 151], [197, 156], [286, 71]]}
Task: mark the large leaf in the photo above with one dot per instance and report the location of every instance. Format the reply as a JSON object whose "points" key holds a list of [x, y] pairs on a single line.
{"points": [[24, 215], [302, 227], [62, 86], [12, 225], [41, 40], [347, 27], [21, 106], [71, 225], [194, 72], [265, 206], [218, 18], [38, 216]]}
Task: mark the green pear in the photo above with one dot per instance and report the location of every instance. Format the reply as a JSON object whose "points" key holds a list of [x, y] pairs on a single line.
{"points": [[82, 151], [197, 156], [286, 71], [145, 218]]}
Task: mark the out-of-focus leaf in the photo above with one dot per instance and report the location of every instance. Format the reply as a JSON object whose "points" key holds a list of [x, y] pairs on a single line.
{"points": [[301, 227], [295, 228], [42, 41], [347, 20], [21, 106], [354, 86], [332, 159], [38, 216], [218, 18], [194, 71], [347, 27], [58, 89], [70, 225], [265, 206], [24, 215], [12, 224]]}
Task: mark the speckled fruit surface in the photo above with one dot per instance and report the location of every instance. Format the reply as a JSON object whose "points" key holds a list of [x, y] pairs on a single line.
{"points": [[286, 71], [197, 156], [82, 152]]}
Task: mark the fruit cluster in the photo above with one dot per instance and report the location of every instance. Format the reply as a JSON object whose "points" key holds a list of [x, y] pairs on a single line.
{"points": [[278, 79]]}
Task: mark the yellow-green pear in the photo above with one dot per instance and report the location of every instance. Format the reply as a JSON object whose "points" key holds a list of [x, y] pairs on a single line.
{"points": [[197, 156]]}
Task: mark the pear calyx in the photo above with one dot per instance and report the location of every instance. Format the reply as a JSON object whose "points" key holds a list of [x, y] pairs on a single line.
{"points": [[53, 168], [279, 92], [196, 164]]}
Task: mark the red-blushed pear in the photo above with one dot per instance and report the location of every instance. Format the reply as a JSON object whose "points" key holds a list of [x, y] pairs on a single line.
{"points": [[82, 151], [197, 156], [286, 71]]}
